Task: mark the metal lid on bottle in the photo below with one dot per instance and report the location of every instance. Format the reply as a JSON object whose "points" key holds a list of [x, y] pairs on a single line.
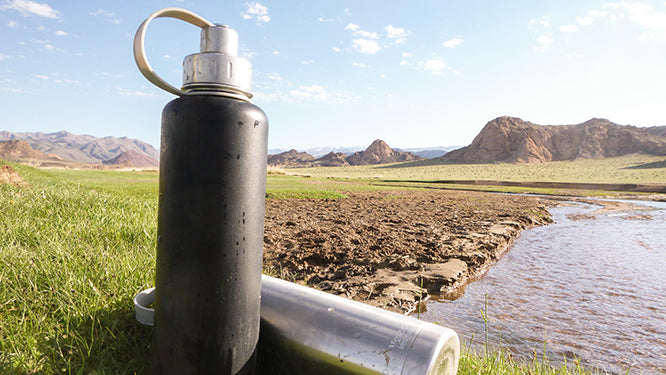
{"points": [[217, 69]]}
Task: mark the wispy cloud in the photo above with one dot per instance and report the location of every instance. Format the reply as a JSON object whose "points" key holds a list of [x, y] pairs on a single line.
{"points": [[257, 12], [274, 88], [452, 43], [4, 57], [435, 66], [652, 21], [12, 24], [42, 76], [106, 14], [61, 33], [31, 8], [585, 21], [568, 28], [398, 34], [134, 93], [544, 42], [367, 46]]}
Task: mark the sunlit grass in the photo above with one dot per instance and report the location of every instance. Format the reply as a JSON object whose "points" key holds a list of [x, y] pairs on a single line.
{"points": [[625, 169], [76, 246]]}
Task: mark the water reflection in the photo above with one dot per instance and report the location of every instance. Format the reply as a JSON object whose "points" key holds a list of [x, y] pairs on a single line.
{"points": [[590, 286]]}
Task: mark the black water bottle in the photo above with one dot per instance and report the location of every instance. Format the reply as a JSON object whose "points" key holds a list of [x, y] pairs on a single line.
{"points": [[211, 209]]}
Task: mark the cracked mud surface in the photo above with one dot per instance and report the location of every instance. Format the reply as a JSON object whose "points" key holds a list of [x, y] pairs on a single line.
{"points": [[392, 249]]}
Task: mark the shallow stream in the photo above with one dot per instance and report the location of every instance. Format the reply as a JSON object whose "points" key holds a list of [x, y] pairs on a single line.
{"points": [[589, 287]]}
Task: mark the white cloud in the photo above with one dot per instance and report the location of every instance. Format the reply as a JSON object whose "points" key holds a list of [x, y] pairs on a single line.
{"points": [[645, 16], [598, 13], [42, 76], [4, 57], [366, 46], [360, 65], [435, 66], [352, 27], [336, 49], [307, 62], [544, 21], [257, 12], [366, 34], [544, 42], [315, 92], [12, 24], [568, 28], [585, 21], [134, 93], [452, 43], [106, 14], [397, 33], [31, 8], [61, 33]]}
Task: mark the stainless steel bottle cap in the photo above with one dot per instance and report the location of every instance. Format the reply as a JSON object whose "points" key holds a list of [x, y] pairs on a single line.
{"points": [[217, 67], [216, 70]]}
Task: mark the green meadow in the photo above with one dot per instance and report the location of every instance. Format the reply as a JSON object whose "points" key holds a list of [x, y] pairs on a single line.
{"points": [[77, 245], [624, 169]]}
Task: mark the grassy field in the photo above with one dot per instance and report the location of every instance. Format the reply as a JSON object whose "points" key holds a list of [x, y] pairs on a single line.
{"points": [[625, 169], [76, 246]]}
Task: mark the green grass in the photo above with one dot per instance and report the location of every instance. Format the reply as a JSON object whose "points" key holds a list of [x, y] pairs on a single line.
{"points": [[625, 169], [76, 246]]}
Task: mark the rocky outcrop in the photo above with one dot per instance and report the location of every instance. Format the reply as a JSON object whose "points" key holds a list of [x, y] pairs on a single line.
{"points": [[18, 150], [291, 159], [380, 153], [332, 159], [512, 140]]}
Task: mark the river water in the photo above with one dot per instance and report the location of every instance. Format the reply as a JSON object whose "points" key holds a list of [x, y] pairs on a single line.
{"points": [[592, 289]]}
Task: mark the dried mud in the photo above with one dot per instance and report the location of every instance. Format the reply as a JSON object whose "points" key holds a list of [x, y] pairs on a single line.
{"points": [[393, 249]]}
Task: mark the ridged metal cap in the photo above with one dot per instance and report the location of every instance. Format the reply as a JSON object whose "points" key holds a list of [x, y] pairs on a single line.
{"points": [[217, 69]]}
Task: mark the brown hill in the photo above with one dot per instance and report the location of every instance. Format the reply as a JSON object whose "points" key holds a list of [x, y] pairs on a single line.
{"points": [[132, 159], [291, 159], [332, 159], [512, 140], [18, 150]]}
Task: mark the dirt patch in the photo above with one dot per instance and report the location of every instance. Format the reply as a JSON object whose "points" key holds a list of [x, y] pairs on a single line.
{"points": [[393, 248], [9, 176]]}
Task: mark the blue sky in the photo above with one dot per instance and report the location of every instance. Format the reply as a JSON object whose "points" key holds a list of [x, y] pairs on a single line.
{"points": [[343, 73]]}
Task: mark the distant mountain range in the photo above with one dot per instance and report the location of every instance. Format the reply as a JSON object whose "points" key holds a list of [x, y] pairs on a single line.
{"points": [[377, 153], [512, 140], [66, 148], [502, 140]]}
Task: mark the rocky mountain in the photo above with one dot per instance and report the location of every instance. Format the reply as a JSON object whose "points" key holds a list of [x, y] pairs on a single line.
{"points": [[18, 150], [512, 140], [380, 153], [291, 159], [333, 159], [132, 159], [377, 153], [81, 148]]}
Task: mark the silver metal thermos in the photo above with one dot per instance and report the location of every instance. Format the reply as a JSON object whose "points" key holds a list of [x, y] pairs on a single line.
{"points": [[212, 187]]}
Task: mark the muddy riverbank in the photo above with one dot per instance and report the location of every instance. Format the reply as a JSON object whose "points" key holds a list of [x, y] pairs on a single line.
{"points": [[393, 248]]}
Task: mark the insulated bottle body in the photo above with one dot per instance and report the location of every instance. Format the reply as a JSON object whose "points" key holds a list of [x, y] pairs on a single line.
{"points": [[210, 235]]}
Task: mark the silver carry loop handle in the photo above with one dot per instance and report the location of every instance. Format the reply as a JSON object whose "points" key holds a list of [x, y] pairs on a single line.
{"points": [[215, 70], [139, 45]]}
